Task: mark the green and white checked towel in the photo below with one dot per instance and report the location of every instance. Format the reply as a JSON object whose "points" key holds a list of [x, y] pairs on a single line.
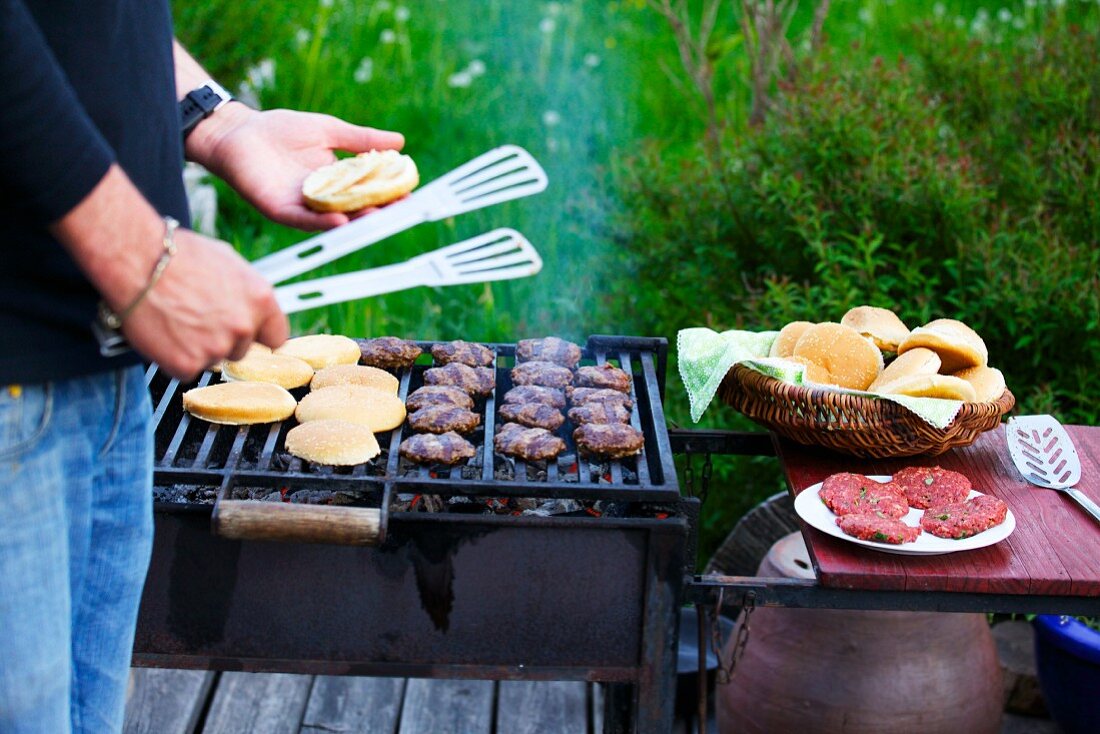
{"points": [[705, 356]]}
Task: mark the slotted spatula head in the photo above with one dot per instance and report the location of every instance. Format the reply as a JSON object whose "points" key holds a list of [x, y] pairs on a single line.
{"points": [[1042, 451]]}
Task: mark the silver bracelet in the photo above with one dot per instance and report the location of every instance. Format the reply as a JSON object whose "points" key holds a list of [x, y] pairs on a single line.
{"points": [[113, 321]]}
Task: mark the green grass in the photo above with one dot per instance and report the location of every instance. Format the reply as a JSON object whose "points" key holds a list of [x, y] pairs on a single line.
{"points": [[580, 85]]}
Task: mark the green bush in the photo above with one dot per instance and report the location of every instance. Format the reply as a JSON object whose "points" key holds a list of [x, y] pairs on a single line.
{"points": [[962, 185]]}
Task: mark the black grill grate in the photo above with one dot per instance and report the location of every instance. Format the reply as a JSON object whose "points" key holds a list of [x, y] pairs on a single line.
{"points": [[192, 451]]}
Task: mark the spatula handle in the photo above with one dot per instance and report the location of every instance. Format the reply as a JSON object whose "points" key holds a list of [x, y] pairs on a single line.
{"points": [[1090, 507]]}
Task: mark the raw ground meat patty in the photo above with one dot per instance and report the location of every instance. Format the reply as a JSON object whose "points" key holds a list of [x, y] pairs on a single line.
{"points": [[877, 528], [926, 487], [854, 494], [965, 519]]}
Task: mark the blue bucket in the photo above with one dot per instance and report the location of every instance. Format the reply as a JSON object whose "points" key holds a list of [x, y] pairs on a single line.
{"points": [[1067, 654]]}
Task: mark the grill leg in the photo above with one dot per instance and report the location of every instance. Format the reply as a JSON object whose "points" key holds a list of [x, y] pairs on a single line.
{"points": [[618, 707]]}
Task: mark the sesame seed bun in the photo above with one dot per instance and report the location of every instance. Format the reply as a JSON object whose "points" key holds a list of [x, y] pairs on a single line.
{"points": [[322, 350], [239, 403], [354, 374], [368, 406], [919, 361], [280, 369], [957, 344], [335, 442], [882, 326], [783, 346], [933, 386], [849, 360], [988, 382], [373, 178]]}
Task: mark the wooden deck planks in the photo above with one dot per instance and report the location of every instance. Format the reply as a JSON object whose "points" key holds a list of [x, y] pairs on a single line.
{"points": [[536, 707], [447, 707], [347, 704], [273, 703], [164, 701]]}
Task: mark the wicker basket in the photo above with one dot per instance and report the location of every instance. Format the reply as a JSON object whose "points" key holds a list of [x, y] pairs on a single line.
{"points": [[852, 424]]}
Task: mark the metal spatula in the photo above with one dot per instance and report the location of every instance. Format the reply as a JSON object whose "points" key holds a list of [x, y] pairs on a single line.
{"points": [[504, 173], [502, 254], [1044, 453]]}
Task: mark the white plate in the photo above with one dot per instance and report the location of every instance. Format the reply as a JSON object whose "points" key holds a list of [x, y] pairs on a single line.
{"points": [[811, 509]]}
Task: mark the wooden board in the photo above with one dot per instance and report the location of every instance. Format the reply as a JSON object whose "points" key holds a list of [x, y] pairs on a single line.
{"points": [[534, 707], [165, 701], [1053, 550], [272, 703], [447, 707], [348, 704]]}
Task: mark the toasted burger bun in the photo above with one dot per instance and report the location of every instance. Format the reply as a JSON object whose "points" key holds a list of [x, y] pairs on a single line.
{"points": [[368, 406], [354, 374], [373, 178], [783, 346], [335, 442], [933, 386], [882, 326], [322, 350], [988, 382], [253, 349], [240, 403], [849, 360], [280, 369], [958, 345], [919, 361]]}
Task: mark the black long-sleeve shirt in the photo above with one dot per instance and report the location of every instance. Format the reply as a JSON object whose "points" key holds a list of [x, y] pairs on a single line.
{"points": [[86, 83]]}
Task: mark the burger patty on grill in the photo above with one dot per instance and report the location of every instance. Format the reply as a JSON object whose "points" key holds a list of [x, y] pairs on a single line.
{"points": [[536, 394], [444, 418], [603, 375], [428, 448], [550, 349], [475, 355], [529, 444], [585, 395], [388, 352], [473, 380], [438, 395], [535, 415], [608, 412], [543, 373], [609, 440]]}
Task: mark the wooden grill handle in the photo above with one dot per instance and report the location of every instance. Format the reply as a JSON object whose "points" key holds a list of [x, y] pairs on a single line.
{"points": [[288, 523]]}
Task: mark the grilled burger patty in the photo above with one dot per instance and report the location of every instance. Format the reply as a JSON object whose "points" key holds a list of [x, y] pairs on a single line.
{"points": [[444, 418], [965, 519], [438, 395], [550, 349], [853, 494], [428, 448], [477, 381], [470, 353], [388, 352], [584, 395], [877, 528], [536, 394], [608, 412], [608, 440], [603, 375], [529, 444], [543, 373], [535, 415], [926, 487]]}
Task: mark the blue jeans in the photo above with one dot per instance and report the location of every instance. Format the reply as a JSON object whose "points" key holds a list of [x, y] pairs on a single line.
{"points": [[76, 531]]}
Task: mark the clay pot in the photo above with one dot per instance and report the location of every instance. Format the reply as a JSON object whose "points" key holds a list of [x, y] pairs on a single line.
{"points": [[820, 670]]}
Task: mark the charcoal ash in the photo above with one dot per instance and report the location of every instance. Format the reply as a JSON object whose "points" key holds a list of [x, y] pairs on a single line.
{"points": [[185, 494]]}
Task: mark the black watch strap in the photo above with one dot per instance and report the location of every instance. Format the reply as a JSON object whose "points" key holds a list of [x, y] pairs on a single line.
{"points": [[200, 103]]}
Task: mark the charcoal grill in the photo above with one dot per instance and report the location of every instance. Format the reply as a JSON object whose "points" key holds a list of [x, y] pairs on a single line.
{"points": [[373, 591]]}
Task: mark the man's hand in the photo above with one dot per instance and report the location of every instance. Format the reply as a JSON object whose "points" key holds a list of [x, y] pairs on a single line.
{"points": [[267, 155]]}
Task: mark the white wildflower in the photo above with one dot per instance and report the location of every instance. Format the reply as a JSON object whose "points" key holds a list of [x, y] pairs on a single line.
{"points": [[459, 80], [550, 118], [547, 25], [475, 68], [301, 37], [326, 3], [262, 75], [866, 17], [1004, 15], [401, 14], [387, 36], [552, 145], [938, 10], [383, 6], [365, 71], [591, 60]]}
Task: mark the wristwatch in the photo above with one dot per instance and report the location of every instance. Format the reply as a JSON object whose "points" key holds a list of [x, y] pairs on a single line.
{"points": [[200, 103]]}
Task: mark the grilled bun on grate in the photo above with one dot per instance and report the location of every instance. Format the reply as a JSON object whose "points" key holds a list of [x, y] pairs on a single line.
{"points": [[957, 344], [988, 382], [322, 350], [932, 386], [919, 361], [377, 409], [880, 325], [239, 403], [848, 359], [334, 442], [783, 346], [354, 374], [253, 349], [373, 178], [279, 369]]}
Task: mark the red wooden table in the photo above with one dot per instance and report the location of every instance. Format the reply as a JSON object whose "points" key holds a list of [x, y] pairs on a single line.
{"points": [[1053, 552]]}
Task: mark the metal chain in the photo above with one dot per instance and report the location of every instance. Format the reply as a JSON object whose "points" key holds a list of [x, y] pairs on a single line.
{"points": [[704, 483], [726, 667], [689, 476]]}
